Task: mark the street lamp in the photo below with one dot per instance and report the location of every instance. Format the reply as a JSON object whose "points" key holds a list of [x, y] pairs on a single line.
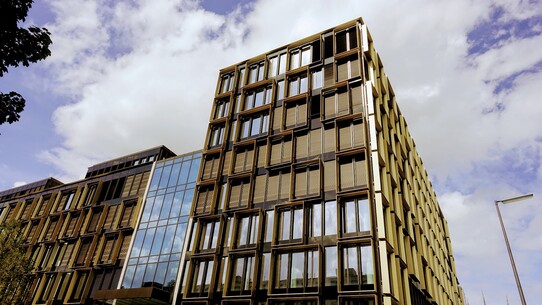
{"points": [[505, 201]]}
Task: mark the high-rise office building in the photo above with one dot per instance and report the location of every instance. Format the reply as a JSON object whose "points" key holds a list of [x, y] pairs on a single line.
{"points": [[311, 190]]}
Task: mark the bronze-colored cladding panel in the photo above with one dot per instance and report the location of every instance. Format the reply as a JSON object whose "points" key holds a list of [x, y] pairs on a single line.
{"points": [[327, 163]]}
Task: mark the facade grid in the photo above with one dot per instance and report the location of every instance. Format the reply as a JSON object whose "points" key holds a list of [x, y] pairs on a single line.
{"points": [[311, 190]]}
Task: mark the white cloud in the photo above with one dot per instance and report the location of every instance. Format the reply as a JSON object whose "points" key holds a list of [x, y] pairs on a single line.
{"points": [[19, 183], [143, 74]]}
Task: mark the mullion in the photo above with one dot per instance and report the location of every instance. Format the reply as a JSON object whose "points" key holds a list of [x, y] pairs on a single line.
{"points": [[358, 256]]}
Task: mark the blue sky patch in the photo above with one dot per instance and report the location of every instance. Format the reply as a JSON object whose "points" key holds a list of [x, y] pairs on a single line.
{"points": [[492, 32]]}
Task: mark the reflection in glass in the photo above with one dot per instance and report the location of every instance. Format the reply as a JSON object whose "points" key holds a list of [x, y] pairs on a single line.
{"points": [[269, 218], [264, 281], [298, 224], [296, 275], [330, 214], [316, 221], [331, 266]]}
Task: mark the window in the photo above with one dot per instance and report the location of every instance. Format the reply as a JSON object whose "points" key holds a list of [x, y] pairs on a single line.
{"points": [[205, 199], [297, 85], [258, 97], [110, 217], [309, 144], [264, 270], [65, 279], [297, 271], [65, 255], [352, 172], [72, 221], [83, 252], [27, 205], [222, 108], [346, 40], [128, 214], [48, 282], [315, 221], [46, 255], [336, 103], [247, 230], [290, 224], [330, 218], [107, 251], [276, 65], [348, 68], [210, 166], [356, 216], [329, 79], [94, 219], [280, 90], [295, 113], [331, 266], [244, 159], [216, 137], [208, 235], [300, 57], [79, 287], [239, 193], [91, 192], [226, 82], [255, 72], [272, 187], [356, 97], [281, 150], [242, 274], [42, 206], [65, 201], [126, 238], [50, 228], [33, 229], [269, 220], [357, 269], [307, 181], [317, 79], [203, 271], [241, 78], [135, 184], [254, 125], [351, 134]]}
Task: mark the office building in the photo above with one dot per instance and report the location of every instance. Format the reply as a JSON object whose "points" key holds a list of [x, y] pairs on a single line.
{"points": [[79, 234], [311, 190]]}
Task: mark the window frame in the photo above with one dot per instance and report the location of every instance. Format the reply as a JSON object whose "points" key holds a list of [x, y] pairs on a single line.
{"points": [[286, 222], [253, 231], [362, 216], [307, 253], [360, 286], [226, 81], [245, 132]]}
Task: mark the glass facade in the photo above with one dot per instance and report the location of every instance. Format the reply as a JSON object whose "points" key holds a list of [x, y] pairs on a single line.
{"points": [[156, 251], [78, 234]]}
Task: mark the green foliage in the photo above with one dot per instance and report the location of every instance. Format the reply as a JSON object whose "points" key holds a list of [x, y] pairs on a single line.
{"points": [[18, 46], [14, 265]]}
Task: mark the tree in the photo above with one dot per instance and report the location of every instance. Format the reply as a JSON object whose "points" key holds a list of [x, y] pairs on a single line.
{"points": [[18, 46], [14, 265]]}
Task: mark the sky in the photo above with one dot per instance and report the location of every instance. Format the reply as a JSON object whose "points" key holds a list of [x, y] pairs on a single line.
{"points": [[127, 75]]}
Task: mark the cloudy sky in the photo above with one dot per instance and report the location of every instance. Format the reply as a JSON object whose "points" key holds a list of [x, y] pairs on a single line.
{"points": [[467, 75]]}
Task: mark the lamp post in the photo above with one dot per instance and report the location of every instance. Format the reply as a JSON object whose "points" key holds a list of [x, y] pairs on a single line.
{"points": [[505, 201]]}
